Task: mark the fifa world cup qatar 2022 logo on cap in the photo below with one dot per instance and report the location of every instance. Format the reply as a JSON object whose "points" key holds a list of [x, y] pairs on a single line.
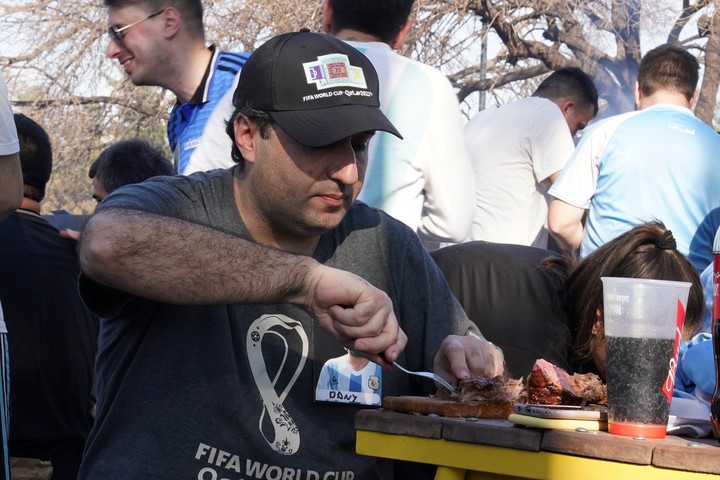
{"points": [[334, 70]]}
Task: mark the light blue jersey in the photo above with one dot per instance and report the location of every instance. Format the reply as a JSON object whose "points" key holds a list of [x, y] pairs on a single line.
{"points": [[188, 120], [659, 163], [339, 382]]}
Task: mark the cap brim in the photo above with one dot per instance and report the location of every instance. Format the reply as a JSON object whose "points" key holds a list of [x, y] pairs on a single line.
{"points": [[325, 126]]}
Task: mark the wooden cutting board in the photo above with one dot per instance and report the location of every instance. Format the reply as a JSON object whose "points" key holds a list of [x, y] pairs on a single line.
{"points": [[446, 408]]}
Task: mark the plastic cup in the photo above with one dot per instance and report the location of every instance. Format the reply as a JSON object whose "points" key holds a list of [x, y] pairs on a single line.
{"points": [[643, 324]]}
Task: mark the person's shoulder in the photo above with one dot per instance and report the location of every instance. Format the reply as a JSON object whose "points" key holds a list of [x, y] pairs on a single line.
{"points": [[170, 187], [481, 118], [381, 52], [522, 108], [481, 252], [702, 129], [606, 127], [361, 211], [431, 72], [216, 180], [363, 216], [531, 109], [44, 233], [238, 59]]}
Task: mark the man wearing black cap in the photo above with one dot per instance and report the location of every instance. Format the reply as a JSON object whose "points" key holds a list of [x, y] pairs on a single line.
{"points": [[52, 336], [210, 354]]}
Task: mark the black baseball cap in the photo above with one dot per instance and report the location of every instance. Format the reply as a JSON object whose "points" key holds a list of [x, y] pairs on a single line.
{"points": [[317, 88]]}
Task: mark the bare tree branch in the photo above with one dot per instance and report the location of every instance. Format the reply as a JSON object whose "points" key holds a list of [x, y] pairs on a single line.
{"points": [[688, 11], [53, 60]]}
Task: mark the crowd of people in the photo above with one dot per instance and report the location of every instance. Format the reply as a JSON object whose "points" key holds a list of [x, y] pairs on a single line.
{"points": [[226, 313]]}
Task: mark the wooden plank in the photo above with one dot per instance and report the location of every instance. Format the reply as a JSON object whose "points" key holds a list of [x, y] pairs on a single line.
{"points": [[446, 408], [600, 445], [499, 433], [398, 423], [695, 455]]}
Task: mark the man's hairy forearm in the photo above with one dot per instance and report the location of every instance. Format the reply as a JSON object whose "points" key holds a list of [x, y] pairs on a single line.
{"points": [[175, 261]]}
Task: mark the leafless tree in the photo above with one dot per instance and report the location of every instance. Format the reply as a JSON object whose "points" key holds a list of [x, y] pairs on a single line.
{"points": [[52, 57], [535, 37]]}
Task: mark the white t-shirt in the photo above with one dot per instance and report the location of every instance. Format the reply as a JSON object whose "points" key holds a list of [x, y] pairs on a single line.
{"points": [[658, 163], [514, 149], [424, 180]]}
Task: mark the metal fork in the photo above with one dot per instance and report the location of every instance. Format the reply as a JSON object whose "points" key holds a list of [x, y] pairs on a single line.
{"points": [[430, 375]]}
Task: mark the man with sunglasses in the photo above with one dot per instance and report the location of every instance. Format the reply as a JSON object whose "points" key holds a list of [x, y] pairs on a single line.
{"points": [[162, 43]]}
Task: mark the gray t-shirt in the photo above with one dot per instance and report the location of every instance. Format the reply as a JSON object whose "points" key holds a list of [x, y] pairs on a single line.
{"points": [[227, 391]]}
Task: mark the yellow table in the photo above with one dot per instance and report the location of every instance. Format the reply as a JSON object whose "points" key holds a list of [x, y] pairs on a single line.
{"points": [[496, 449]]}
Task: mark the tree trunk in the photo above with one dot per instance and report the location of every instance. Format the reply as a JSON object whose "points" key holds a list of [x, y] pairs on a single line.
{"points": [[707, 98]]}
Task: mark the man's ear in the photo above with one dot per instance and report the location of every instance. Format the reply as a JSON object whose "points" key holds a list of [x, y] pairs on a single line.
{"points": [[172, 22], [638, 94], [400, 37], [566, 105], [245, 138], [327, 16]]}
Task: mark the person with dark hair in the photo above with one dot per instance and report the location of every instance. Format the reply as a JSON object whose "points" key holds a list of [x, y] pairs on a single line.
{"points": [[126, 162], [658, 162], [52, 335], [35, 158], [224, 292], [423, 179], [162, 43], [518, 150], [646, 251], [123, 163], [534, 303]]}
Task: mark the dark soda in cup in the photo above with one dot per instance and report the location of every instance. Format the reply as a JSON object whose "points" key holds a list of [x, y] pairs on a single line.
{"points": [[715, 401]]}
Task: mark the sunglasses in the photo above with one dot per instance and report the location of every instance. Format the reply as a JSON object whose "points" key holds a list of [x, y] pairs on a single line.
{"points": [[118, 34]]}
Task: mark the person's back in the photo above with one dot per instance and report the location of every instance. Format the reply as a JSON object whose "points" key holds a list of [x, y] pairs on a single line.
{"points": [[516, 304], [517, 151], [425, 178], [675, 157], [52, 336], [658, 163]]}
